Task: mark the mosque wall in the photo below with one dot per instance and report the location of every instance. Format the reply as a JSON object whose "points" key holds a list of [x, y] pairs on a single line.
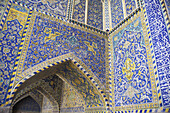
{"points": [[33, 38], [36, 35], [95, 14], [79, 10], [11, 37], [160, 39], [151, 25], [116, 12], [133, 76], [51, 6]]}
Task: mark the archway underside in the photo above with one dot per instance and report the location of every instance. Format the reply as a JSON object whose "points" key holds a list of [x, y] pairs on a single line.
{"points": [[55, 79]]}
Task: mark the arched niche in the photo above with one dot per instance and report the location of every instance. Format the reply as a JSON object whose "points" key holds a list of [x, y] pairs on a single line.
{"points": [[71, 74], [27, 105]]}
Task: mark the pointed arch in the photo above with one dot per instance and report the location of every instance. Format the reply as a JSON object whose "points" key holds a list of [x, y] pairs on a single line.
{"points": [[49, 66]]}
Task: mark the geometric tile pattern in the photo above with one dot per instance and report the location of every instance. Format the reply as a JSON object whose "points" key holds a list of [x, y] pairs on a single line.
{"points": [[72, 101], [79, 10], [160, 39], [95, 14], [116, 12]]}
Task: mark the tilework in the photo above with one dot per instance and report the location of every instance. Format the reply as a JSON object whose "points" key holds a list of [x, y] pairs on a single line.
{"points": [[73, 76], [72, 100], [79, 82], [56, 7], [50, 63], [3, 4], [90, 49], [168, 6], [166, 14], [95, 14], [133, 80], [130, 6], [4, 15], [53, 85], [59, 39], [107, 14], [10, 42], [116, 12], [160, 40], [79, 10]]}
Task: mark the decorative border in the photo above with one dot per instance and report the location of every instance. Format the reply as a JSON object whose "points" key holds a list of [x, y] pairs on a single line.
{"points": [[86, 27], [166, 16], [24, 50], [125, 21], [55, 61], [18, 57], [5, 14], [106, 15], [160, 109]]}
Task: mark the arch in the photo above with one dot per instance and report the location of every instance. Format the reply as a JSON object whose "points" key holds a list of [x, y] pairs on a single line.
{"points": [[43, 92], [22, 97], [26, 104], [49, 65]]}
